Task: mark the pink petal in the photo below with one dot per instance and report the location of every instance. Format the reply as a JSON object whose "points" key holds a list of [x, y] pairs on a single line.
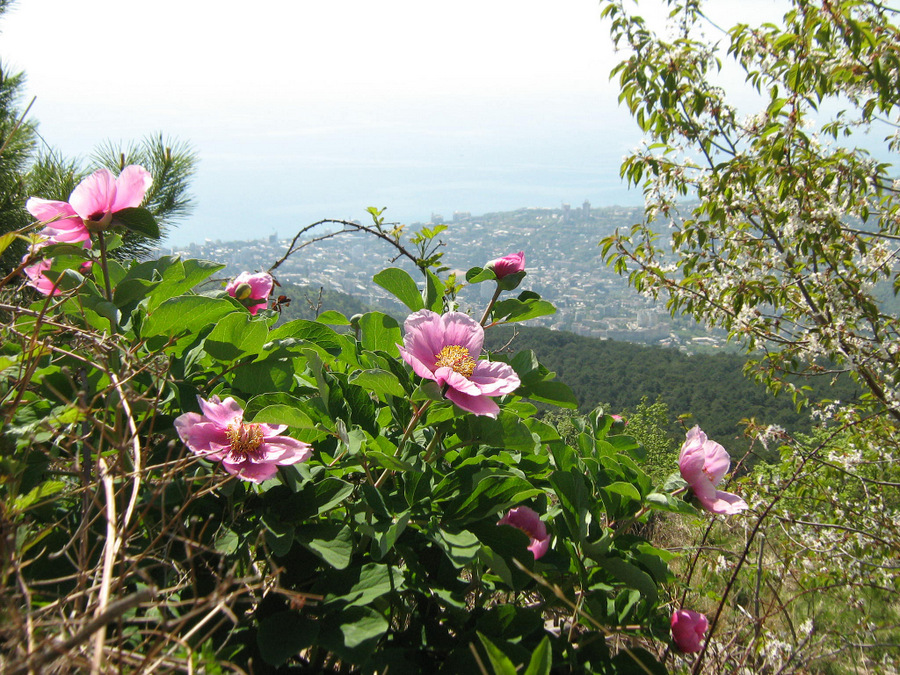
{"points": [[688, 628], [423, 338], [480, 405], [690, 463], [261, 284], [284, 450], [508, 264], [38, 280], [94, 195], [419, 368], [131, 186], [461, 383], [461, 329], [717, 461], [201, 436], [70, 231], [47, 209], [255, 473], [538, 547], [271, 429], [222, 413], [494, 378], [723, 503], [528, 520]]}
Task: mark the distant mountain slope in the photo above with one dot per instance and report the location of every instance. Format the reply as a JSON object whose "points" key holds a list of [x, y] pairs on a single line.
{"points": [[710, 387]]}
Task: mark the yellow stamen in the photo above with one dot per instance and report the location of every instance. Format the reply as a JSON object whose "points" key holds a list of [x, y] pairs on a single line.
{"points": [[245, 439], [456, 358]]}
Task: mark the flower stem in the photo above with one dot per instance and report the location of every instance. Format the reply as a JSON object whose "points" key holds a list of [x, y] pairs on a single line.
{"points": [[103, 265], [487, 311], [406, 434]]}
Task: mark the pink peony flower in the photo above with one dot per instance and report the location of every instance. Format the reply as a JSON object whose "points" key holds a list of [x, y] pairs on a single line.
{"points": [[687, 629], [249, 451], [445, 348], [99, 196], [703, 463], [530, 523], [508, 264], [253, 290]]}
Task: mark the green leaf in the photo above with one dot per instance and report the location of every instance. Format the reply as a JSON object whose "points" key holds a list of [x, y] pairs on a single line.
{"points": [[461, 547], [178, 276], [398, 283], [492, 494], [631, 575], [379, 381], [284, 634], [429, 390], [360, 625], [389, 461], [227, 542], [313, 332], [477, 274], [42, 491], [552, 392], [380, 332], [333, 318], [625, 489], [138, 220], [499, 661], [279, 535], [508, 311], [236, 335], [264, 376], [6, 240], [541, 659], [506, 431], [434, 292], [331, 492], [374, 581], [331, 542], [186, 313], [278, 409]]}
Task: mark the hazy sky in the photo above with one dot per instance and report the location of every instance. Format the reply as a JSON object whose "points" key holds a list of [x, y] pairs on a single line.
{"points": [[307, 109]]}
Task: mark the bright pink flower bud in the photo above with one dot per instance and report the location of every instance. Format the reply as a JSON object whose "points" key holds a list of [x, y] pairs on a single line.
{"points": [[253, 290], [508, 264], [530, 523], [688, 628], [703, 463]]}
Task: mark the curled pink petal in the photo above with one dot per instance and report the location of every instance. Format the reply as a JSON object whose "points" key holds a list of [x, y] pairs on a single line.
{"points": [[131, 186], [477, 405], [528, 520], [63, 225], [446, 349], [252, 452], [688, 628], [703, 464]]}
